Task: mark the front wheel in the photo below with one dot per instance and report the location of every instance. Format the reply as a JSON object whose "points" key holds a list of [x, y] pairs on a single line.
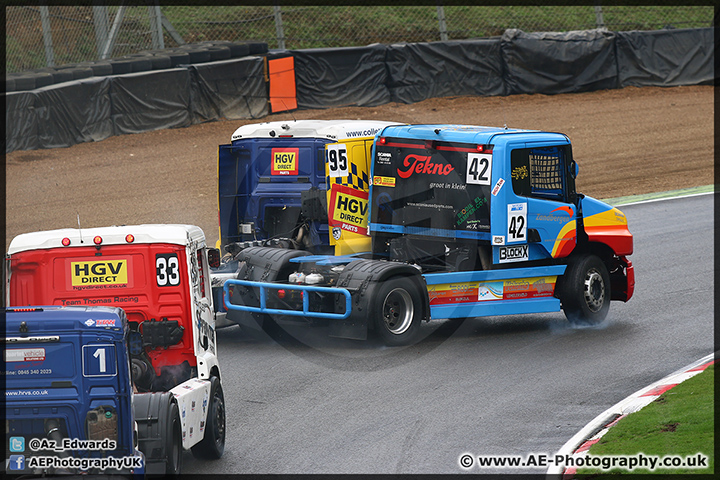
{"points": [[396, 312], [212, 446], [584, 290]]}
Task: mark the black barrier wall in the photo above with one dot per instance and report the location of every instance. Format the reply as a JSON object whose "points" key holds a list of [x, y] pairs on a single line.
{"points": [[94, 108]]}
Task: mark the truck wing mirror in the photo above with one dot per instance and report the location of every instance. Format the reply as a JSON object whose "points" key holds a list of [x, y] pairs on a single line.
{"points": [[213, 257], [574, 169]]}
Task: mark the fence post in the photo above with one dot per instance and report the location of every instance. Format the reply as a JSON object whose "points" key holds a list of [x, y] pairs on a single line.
{"points": [[100, 20], [599, 23], [279, 27], [47, 36], [171, 30], [441, 23], [158, 42], [110, 44]]}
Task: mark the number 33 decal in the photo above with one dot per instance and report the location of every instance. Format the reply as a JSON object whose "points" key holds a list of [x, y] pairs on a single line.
{"points": [[167, 269]]}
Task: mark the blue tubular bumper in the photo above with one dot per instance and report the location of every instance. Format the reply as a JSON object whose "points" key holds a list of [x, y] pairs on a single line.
{"points": [[263, 286]]}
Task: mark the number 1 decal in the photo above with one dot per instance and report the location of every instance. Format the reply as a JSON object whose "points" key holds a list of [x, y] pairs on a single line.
{"points": [[99, 360], [479, 169], [100, 355], [337, 160], [167, 269], [517, 222]]}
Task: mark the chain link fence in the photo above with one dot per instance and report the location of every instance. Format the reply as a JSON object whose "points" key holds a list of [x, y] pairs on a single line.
{"points": [[46, 36]]}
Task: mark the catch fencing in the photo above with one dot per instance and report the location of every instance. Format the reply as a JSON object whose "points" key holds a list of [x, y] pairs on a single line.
{"points": [[49, 36]]}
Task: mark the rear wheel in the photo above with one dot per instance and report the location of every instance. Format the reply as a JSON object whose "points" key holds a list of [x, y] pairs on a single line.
{"points": [[584, 290], [397, 311], [212, 446], [174, 447]]}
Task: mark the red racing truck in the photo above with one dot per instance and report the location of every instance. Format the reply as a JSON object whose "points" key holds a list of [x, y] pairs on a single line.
{"points": [[159, 275]]}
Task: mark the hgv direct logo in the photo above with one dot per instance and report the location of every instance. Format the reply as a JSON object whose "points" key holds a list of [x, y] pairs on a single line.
{"points": [[108, 272], [284, 161]]}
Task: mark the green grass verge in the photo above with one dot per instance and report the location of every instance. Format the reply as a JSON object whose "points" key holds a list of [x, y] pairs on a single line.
{"points": [[680, 423]]}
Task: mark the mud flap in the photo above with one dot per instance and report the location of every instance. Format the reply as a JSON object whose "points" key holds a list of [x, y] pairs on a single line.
{"points": [[354, 328], [363, 278]]}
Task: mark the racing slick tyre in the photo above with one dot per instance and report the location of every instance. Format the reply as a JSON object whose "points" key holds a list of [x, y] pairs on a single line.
{"points": [[396, 312], [584, 290], [174, 447], [212, 446]]}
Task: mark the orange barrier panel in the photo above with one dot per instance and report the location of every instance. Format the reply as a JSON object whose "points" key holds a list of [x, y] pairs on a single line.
{"points": [[283, 95]]}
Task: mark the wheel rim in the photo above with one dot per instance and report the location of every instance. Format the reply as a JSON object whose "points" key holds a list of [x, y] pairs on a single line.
{"points": [[398, 311], [594, 290], [219, 420]]}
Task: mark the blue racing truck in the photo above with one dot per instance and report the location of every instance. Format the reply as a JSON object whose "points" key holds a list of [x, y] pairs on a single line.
{"points": [[68, 399], [463, 221]]}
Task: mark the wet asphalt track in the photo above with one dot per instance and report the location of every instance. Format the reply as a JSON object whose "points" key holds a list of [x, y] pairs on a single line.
{"points": [[498, 385]]}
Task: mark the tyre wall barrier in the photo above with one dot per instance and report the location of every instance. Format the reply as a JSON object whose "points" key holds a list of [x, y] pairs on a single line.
{"points": [[231, 89], [418, 71], [202, 84], [336, 77]]}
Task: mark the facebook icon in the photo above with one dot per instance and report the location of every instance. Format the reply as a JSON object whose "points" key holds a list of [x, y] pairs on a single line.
{"points": [[17, 462]]}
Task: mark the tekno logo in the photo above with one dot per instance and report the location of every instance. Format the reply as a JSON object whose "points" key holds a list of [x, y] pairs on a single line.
{"points": [[422, 164], [285, 161]]}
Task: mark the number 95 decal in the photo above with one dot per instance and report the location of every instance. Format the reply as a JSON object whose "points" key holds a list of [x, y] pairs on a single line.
{"points": [[517, 222]]}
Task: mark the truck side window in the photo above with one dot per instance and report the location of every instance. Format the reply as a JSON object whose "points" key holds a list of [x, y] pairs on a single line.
{"points": [[539, 172]]}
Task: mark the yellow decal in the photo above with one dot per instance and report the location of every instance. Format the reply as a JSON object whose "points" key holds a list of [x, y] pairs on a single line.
{"points": [[284, 161], [384, 181], [349, 209], [106, 272]]}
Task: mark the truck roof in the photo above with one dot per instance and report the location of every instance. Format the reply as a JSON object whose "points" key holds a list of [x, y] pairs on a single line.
{"points": [[462, 133], [330, 129], [116, 235], [56, 318]]}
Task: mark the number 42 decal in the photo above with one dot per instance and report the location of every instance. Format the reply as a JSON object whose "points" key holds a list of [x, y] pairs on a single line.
{"points": [[479, 169], [517, 222]]}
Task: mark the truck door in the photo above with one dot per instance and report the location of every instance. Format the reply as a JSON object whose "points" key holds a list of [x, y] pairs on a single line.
{"points": [[542, 218], [203, 318], [348, 176]]}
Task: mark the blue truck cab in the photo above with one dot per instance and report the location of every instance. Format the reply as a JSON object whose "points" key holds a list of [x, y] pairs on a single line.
{"points": [[68, 401], [464, 221], [288, 184]]}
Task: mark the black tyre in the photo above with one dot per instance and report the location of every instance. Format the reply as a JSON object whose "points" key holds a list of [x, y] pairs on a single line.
{"points": [[101, 68], [62, 75], [120, 67], [79, 73], [396, 313], [584, 290], [174, 448], [23, 81], [212, 446]]}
